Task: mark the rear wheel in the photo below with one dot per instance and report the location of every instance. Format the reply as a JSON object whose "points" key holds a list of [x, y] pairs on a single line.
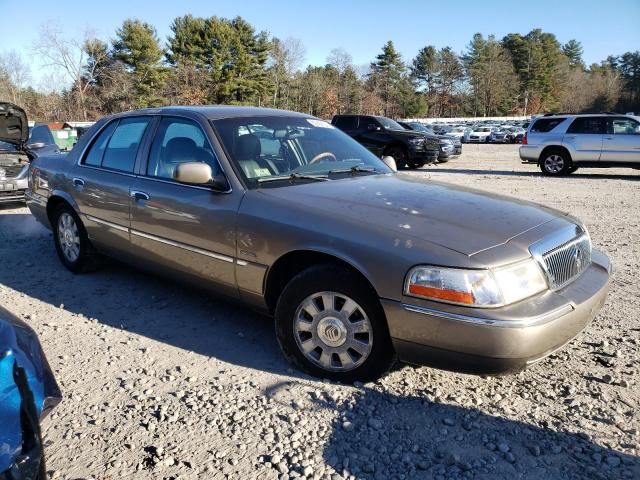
{"points": [[399, 155], [555, 163], [331, 324], [71, 240]]}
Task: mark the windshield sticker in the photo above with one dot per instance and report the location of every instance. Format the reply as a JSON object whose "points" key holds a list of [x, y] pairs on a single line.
{"points": [[319, 123], [262, 172]]}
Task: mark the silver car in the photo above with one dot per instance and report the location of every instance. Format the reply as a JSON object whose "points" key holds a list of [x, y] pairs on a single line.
{"points": [[560, 144], [359, 265]]}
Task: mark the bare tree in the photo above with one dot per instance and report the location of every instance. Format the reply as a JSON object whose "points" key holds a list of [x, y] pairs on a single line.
{"points": [[340, 59], [286, 58], [16, 75], [68, 56]]}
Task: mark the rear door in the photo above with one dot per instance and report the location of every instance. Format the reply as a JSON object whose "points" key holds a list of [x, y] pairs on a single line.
{"points": [[185, 229], [102, 179], [584, 138], [622, 142]]}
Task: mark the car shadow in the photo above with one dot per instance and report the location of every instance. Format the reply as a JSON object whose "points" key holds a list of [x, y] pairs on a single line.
{"points": [[383, 435], [510, 173], [141, 303]]}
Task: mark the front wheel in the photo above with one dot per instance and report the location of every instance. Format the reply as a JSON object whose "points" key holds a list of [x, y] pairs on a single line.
{"points": [[555, 163], [399, 155], [330, 323]]}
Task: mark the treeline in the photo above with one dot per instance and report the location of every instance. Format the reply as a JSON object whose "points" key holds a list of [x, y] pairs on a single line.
{"points": [[227, 61]]}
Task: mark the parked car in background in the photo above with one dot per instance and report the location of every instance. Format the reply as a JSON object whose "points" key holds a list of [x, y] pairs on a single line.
{"points": [[449, 145], [480, 134], [461, 132], [19, 145], [385, 137], [515, 134], [560, 144], [499, 135], [358, 264], [28, 391]]}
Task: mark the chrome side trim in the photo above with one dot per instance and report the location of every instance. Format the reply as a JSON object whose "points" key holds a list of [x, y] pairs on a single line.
{"points": [[530, 322], [108, 224], [183, 246]]}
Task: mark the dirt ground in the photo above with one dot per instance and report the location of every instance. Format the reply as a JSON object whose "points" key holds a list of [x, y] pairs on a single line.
{"points": [[164, 382]]}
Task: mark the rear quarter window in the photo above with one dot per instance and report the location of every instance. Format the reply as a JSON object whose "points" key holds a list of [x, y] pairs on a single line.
{"points": [[544, 125]]}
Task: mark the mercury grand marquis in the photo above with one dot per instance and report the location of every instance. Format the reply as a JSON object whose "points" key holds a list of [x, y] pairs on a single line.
{"points": [[359, 265]]}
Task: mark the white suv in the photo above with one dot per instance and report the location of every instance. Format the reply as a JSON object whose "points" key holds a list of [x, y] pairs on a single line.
{"points": [[560, 144]]}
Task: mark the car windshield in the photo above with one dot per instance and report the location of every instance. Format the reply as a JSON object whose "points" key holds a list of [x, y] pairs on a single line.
{"points": [[484, 129], [287, 146], [389, 124]]}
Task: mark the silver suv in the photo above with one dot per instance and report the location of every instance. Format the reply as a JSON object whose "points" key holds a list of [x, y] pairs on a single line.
{"points": [[560, 143]]}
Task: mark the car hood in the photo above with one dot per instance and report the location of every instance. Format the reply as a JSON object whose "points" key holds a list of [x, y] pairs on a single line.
{"points": [[462, 219], [14, 127], [408, 133]]}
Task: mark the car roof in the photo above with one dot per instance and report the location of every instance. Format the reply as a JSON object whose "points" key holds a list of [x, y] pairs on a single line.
{"points": [[217, 112]]}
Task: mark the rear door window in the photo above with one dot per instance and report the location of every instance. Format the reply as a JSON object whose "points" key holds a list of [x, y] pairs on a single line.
{"points": [[589, 125], [123, 146], [544, 125]]}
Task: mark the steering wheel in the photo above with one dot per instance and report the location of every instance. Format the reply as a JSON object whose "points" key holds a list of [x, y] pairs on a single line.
{"points": [[322, 155]]}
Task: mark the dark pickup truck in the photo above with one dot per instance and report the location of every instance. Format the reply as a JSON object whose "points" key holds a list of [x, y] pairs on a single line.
{"points": [[385, 137]]}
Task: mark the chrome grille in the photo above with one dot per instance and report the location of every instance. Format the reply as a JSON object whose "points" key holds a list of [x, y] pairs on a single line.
{"points": [[567, 261]]}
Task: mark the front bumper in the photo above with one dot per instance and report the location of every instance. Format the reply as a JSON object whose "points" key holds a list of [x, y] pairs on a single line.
{"points": [[497, 340], [12, 190], [423, 156]]}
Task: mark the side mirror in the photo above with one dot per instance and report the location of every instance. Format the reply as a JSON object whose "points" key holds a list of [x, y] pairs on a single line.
{"points": [[390, 162], [199, 173]]}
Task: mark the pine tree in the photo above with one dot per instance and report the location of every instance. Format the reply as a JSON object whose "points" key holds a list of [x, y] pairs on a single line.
{"points": [[138, 48], [573, 51]]}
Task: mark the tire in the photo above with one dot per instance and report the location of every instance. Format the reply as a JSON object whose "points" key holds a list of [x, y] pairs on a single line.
{"points": [[72, 243], [303, 321], [443, 160], [555, 163], [399, 155]]}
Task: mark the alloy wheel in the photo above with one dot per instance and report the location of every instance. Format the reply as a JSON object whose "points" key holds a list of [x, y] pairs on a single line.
{"points": [[333, 331], [554, 163], [68, 237]]}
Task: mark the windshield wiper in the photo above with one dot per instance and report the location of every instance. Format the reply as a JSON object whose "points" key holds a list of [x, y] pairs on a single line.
{"points": [[293, 177], [355, 169]]}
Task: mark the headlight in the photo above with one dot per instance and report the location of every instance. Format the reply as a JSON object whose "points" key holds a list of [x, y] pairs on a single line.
{"points": [[416, 142], [478, 288]]}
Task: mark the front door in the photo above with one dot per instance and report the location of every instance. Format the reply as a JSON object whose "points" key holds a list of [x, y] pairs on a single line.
{"points": [[102, 179], [184, 228], [622, 142]]}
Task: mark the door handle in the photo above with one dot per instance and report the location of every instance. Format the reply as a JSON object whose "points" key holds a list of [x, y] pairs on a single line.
{"points": [[137, 195], [608, 138], [78, 182]]}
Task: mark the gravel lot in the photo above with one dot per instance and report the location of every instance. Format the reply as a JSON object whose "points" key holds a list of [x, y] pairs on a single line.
{"points": [[161, 381]]}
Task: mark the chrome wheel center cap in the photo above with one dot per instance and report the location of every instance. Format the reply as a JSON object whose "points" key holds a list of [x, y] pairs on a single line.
{"points": [[68, 237], [332, 331]]}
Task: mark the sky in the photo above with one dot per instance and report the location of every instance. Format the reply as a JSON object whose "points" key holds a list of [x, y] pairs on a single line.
{"points": [[359, 26]]}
